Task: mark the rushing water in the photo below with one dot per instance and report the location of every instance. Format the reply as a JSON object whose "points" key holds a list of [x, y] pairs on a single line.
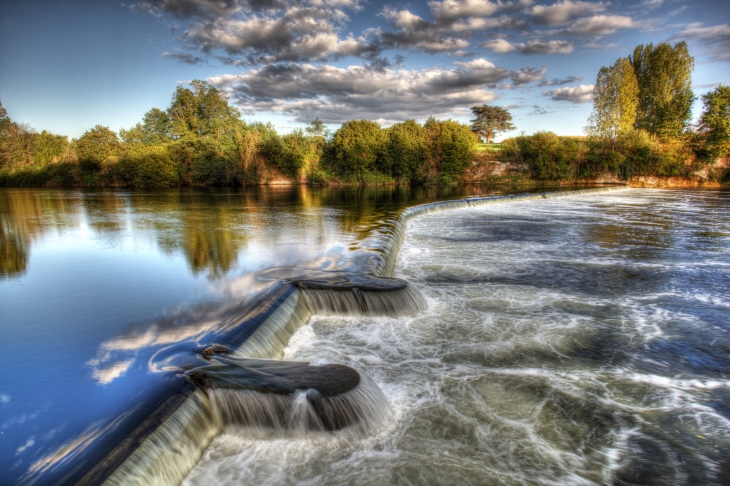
{"points": [[102, 292], [576, 341]]}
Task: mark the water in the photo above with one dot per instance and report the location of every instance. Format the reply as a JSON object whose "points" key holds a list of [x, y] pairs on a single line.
{"points": [[106, 295], [576, 341]]}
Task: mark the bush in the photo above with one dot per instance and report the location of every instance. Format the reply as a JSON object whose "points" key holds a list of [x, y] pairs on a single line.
{"points": [[451, 147], [148, 166], [357, 145], [548, 156]]}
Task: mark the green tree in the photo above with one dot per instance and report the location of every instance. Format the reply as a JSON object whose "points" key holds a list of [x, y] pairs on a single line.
{"points": [[201, 112], [406, 151], [317, 128], [490, 120], [714, 124], [450, 147], [357, 145], [615, 101], [95, 146], [16, 146], [49, 148], [664, 76], [4, 118]]}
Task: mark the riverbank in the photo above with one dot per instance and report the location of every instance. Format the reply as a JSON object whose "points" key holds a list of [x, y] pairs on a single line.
{"points": [[487, 168]]}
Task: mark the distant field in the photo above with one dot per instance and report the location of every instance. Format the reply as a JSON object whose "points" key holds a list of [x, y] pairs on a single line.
{"points": [[489, 147]]}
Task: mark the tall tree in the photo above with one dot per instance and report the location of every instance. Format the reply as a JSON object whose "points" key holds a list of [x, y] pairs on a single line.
{"points": [[615, 100], [664, 75], [201, 112], [317, 128], [715, 121], [96, 145], [490, 120]]}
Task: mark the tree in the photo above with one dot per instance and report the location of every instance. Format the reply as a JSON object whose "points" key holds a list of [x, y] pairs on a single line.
{"points": [[357, 145], [450, 147], [317, 128], [4, 119], [615, 100], [96, 145], [714, 123], [201, 112], [490, 120], [664, 76]]}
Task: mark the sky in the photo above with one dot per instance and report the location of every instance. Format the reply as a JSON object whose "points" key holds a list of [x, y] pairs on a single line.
{"points": [[66, 66]]}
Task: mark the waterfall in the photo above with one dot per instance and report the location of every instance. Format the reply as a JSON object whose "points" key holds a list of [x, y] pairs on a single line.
{"points": [[290, 396]]}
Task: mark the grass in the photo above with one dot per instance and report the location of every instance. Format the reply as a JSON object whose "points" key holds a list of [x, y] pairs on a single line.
{"points": [[489, 147]]}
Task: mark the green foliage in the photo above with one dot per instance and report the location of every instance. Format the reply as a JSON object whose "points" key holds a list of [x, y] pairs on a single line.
{"points": [[615, 100], [490, 120], [405, 150], [317, 128], [714, 124], [297, 154], [49, 148], [95, 146], [357, 146], [664, 76], [148, 166], [548, 156], [450, 147], [201, 112]]}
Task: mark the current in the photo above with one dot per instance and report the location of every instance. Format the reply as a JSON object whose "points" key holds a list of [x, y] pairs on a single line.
{"points": [[582, 340]]}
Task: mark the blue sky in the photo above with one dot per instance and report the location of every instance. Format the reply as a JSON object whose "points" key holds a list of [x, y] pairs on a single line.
{"points": [[66, 66]]}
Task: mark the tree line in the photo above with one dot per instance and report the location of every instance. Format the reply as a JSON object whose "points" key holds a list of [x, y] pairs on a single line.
{"points": [[200, 139], [641, 124]]}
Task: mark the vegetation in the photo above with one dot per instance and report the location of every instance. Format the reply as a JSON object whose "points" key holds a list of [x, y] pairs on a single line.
{"points": [[639, 126], [201, 140], [490, 120]]}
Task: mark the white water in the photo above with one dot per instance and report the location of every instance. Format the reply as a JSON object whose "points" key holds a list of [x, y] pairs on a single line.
{"points": [[575, 341]]}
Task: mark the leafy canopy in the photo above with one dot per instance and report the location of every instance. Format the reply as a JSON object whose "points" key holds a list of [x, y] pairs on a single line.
{"points": [[490, 120]]}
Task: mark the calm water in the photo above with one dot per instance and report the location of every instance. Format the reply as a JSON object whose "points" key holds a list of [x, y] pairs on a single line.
{"points": [[99, 290], [583, 340]]}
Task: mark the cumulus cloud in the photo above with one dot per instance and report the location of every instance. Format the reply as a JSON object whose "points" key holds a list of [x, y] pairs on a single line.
{"points": [[715, 38], [561, 13], [546, 47], [184, 57], [334, 94], [450, 10], [299, 34], [528, 75], [577, 94], [560, 81], [415, 33], [500, 46], [601, 25]]}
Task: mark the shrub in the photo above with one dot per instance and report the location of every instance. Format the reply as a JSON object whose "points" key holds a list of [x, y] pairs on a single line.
{"points": [[148, 166]]}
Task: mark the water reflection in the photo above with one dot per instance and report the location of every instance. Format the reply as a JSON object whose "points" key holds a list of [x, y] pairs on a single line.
{"points": [[108, 287], [210, 227]]}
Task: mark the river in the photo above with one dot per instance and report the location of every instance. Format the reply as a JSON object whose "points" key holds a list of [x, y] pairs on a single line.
{"points": [[582, 340]]}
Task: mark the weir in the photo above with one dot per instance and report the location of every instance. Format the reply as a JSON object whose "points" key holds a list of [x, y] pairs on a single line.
{"points": [[233, 382]]}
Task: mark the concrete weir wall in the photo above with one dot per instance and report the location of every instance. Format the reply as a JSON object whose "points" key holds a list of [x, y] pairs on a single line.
{"points": [[165, 446]]}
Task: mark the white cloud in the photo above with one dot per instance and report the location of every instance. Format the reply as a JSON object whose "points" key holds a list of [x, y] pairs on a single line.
{"points": [[334, 94], [450, 10], [577, 94], [561, 13], [500, 46], [601, 25], [111, 372], [715, 38], [546, 47]]}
